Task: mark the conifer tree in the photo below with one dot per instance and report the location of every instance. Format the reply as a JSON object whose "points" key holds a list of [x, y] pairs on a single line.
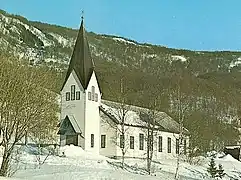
{"points": [[220, 171], [212, 169]]}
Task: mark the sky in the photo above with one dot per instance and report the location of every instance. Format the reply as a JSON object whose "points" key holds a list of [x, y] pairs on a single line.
{"points": [[186, 24]]}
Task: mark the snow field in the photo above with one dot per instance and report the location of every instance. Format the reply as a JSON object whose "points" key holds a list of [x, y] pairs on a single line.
{"points": [[79, 164]]}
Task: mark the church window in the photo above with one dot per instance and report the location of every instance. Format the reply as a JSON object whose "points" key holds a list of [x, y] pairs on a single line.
{"points": [[185, 146], [78, 95], [169, 145], [132, 142], [96, 97], [122, 141], [141, 141], [67, 96], [160, 144], [93, 93], [92, 140], [89, 95], [177, 146], [103, 141], [73, 92]]}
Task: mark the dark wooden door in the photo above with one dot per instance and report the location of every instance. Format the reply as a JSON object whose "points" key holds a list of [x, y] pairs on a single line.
{"points": [[72, 139]]}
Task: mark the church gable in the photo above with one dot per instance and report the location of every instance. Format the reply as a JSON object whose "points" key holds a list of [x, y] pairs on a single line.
{"points": [[72, 90], [93, 89], [72, 80], [69, 127]]}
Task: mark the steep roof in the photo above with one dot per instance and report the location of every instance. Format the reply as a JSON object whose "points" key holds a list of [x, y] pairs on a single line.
{"points": [[136, 117], [81, 61], [69, 126]]}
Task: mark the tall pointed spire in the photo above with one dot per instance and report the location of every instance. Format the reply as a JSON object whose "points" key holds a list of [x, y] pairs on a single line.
{"points": [[81, 61]]}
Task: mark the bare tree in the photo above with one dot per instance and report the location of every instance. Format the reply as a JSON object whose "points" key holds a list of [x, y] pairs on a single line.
{"points": [[119, 111], [148, 127], [151, 117], [182, 93], [25, 103], [43, 141], [181, 112]]}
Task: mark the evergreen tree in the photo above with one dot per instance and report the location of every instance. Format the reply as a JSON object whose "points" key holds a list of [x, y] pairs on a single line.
{"points": [[212, 169], [220, 171]]}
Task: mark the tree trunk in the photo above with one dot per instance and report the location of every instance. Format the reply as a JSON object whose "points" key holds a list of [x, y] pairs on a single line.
{"points": [[148, 151], [177, 168], [5, 163], [123, 141], [180, 121], [123, 158]]}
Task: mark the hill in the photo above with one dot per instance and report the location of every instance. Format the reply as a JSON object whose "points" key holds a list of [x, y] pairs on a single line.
{"points": [[199, 87]]}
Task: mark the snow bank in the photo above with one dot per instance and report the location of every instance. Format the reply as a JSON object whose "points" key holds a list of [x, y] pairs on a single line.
{"points": [[75, 151], [5, 178], [72, 151], [80, 164]]}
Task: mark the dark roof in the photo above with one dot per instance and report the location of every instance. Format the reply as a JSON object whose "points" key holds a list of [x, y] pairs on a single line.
{"points": [[81, 61], [69, 126]]}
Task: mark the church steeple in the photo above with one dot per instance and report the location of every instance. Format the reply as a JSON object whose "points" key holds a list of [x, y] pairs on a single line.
{"points": [[81, 61]]}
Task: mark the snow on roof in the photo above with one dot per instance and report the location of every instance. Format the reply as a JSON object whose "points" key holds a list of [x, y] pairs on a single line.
{"points": [[229, 158], [74, 124], [232, 147], [134, 116]]}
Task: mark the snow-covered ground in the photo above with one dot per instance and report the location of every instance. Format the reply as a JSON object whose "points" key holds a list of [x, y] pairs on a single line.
{"points": [[79, 164], [181, 58], [123, 40], [235, 63]]}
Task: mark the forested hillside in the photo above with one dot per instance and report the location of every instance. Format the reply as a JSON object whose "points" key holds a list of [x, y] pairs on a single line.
{"points": [[202, 87]]}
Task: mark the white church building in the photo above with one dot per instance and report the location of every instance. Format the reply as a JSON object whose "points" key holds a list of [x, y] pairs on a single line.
{"points": [[94, 124]]}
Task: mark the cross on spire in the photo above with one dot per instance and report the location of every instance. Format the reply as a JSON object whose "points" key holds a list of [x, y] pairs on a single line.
{"points": [[82, 15]]}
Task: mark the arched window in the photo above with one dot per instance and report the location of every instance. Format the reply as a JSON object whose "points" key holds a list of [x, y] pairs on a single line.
{"points": [[73, 92], [93, 93]]}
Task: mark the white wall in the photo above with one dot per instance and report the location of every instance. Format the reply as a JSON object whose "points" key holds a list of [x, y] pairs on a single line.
{"points": [[135, 131], [105, 129], [74, 107], [92, 117], [164, 152], [132, 131], [85, 111]]}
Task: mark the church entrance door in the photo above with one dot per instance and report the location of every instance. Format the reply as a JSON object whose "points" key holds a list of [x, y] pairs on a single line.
{"points": [[72, 139]]}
